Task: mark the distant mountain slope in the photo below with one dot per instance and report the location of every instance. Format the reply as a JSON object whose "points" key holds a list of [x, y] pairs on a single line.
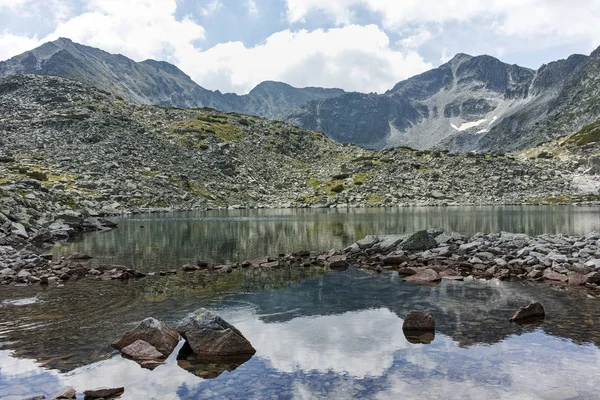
{"points": [[467, 104], [470, 103], [153, 82]]}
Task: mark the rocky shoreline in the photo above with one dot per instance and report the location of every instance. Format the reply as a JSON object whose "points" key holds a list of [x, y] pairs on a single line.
{"points": [[425, 257], [433, 255], [428, 257]]}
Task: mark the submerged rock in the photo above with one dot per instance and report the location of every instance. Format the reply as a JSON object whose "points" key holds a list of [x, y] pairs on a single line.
{"points": [[208, 369], [211, 337], [419, 337], [103, 393], [532, 313], [157, 333]]}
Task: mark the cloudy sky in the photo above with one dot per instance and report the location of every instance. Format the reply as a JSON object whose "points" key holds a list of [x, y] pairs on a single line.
{"points": [[362, 45]]}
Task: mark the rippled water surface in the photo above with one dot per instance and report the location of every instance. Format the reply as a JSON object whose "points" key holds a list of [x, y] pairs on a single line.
{"points": [[323, 335]]}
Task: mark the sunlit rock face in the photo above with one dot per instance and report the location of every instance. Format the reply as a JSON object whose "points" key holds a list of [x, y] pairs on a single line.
{"points": [[467, 104]]}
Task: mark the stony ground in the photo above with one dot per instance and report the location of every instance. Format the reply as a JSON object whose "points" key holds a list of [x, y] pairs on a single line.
{"points": [[427, 257], [67, 147]]}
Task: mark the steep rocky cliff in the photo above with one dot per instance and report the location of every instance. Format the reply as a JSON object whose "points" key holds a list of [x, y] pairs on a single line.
{"points": [[468, 104]]}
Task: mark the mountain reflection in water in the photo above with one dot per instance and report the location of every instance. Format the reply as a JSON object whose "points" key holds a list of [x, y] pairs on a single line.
{"points": [[171, 240], [337, 335]]}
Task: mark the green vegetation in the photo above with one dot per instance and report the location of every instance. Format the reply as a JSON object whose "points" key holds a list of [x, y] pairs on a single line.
{"points": [[545, 155], [588, 134], [360, 178], [217, 125], [374, 198], [334, 186], [566, 199], [314, 183], [37, 175]]}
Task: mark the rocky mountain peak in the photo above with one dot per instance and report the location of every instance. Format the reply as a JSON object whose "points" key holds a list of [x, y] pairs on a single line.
{"points": [[459, 58], [166, 67], [153, 81]]}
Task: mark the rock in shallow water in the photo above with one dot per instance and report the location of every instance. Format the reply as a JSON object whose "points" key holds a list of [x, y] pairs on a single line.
{"points": [[425, 276], [418, 321], [211, 337], [532, 313], [103, 393], [158, 334], [141, 350], [68, 394]]}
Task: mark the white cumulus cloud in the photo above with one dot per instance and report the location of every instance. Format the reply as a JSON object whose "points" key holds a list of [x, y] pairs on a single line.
{"points": [[544, 22], [352, 57]]}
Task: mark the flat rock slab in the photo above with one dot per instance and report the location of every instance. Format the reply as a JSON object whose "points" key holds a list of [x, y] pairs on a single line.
{"points": [[103, 393], [576, 279], [555, 276], [157, 333], [425, 276], [532, 313], [141, 350], [68, 394], [453, 278], [211, 337]]}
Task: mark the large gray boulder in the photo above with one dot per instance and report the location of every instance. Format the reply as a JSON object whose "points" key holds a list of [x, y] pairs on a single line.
{"points": [[211, 337], [157, 333], [419, 241]]}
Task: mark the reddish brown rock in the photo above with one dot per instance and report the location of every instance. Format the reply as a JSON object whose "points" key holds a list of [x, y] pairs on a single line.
{"points": [[554, 276], [576, 279], [394, 259], [533, 312], [337, 263], [189, 268], [424, 276], [141, 350], [159, 334], [68, 394], [418, 321], [103, 393], [535, 274]]}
